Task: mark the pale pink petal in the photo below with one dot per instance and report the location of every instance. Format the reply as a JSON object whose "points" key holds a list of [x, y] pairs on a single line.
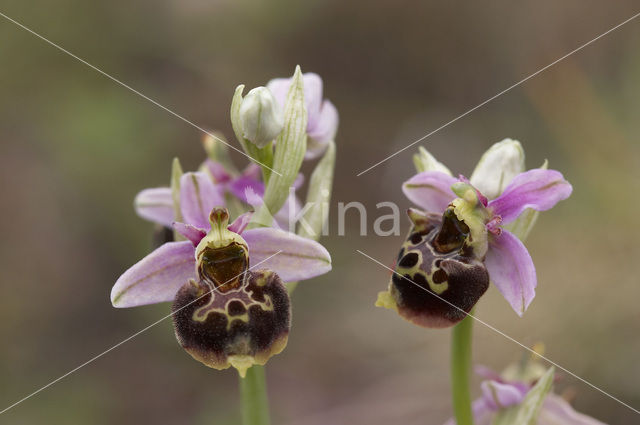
{"points": [[499, 395], [239, 186], [217, 170], [240, 223], [285, 217], [325, 126], [298, 182], [430, 190], [190, 232], [556, 411], [538, 189], [291, 256], [198, 196], [155, 205], [279, 88], [157, 277], [320, 123], [253, 171], [511, 270], [312, 94]]}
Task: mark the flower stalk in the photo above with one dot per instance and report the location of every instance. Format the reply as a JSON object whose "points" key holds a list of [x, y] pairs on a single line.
{"points": [[255, 403], [461, 336]]}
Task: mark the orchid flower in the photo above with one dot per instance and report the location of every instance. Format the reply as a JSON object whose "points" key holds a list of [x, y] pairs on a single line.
{"points": [[225, 313], [519, 387], [460, 244], [158, 276], [322, 122]]}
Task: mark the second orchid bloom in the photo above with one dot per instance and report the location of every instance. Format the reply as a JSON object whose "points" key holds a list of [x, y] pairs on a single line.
{"points": [[461, 240]]}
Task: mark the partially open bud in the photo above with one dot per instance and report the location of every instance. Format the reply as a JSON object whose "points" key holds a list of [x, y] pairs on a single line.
{"points": [[439, 275], [261, 116], [424, 161], [230, 316], [497, 167]]}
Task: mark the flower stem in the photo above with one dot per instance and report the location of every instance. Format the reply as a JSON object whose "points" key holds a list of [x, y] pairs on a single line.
{"points": [[461, 370], [255, 404]]}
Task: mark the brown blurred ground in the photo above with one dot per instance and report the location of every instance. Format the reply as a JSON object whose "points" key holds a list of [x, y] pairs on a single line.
{"points": [[75, 148]]}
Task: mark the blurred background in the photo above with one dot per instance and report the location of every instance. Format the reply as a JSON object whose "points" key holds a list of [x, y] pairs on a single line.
{"points": [[75, 148]]}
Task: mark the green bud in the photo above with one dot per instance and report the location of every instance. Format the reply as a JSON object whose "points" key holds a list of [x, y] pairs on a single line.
{"points": [[262, 156], [261, 116], [424, 161]]}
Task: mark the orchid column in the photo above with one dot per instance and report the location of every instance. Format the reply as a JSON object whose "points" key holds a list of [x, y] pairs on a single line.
{"points": [[228, 261], [469, 235]]}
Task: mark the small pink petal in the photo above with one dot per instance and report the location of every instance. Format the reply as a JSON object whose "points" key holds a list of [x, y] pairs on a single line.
{"points": [[297, 183], [511, 270], [538, 189], [218, 172], [499, 395], [240, 223], [430, 190], [252, 171], [325, 125], [239, 186], [312, 94], [157, 277], [155, 205], [190, 232]]}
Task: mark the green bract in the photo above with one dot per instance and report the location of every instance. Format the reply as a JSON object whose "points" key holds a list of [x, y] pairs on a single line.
{"points": [[290, 148]]}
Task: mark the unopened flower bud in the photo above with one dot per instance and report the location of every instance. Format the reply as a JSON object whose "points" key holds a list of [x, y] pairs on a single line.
{"points": [[497, 167], [261, 116]]}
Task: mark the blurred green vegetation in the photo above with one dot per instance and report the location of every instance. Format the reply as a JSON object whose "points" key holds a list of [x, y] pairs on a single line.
{"points": [[75, 148]]}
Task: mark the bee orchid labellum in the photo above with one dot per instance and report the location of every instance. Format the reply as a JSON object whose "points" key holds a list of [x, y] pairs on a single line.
{"points": [[440, 274], [230, 315]]}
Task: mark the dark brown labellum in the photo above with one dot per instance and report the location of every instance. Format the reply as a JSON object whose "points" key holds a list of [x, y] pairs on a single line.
{"points": [[239, 327], [436, 264]]}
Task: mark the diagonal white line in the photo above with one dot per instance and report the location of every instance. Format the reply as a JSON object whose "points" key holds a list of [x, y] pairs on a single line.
{"points": [[500, 94], [136, 91], [91, 360], [504, 335]]}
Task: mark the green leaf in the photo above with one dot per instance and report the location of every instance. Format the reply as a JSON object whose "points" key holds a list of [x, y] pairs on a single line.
{"points": [[176, 173], [291, 146], [526, 413], [319, 195]]}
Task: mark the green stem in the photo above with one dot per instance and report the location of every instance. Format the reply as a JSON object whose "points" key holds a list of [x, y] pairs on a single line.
{"points": [[461, 371], [255, 404]]}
